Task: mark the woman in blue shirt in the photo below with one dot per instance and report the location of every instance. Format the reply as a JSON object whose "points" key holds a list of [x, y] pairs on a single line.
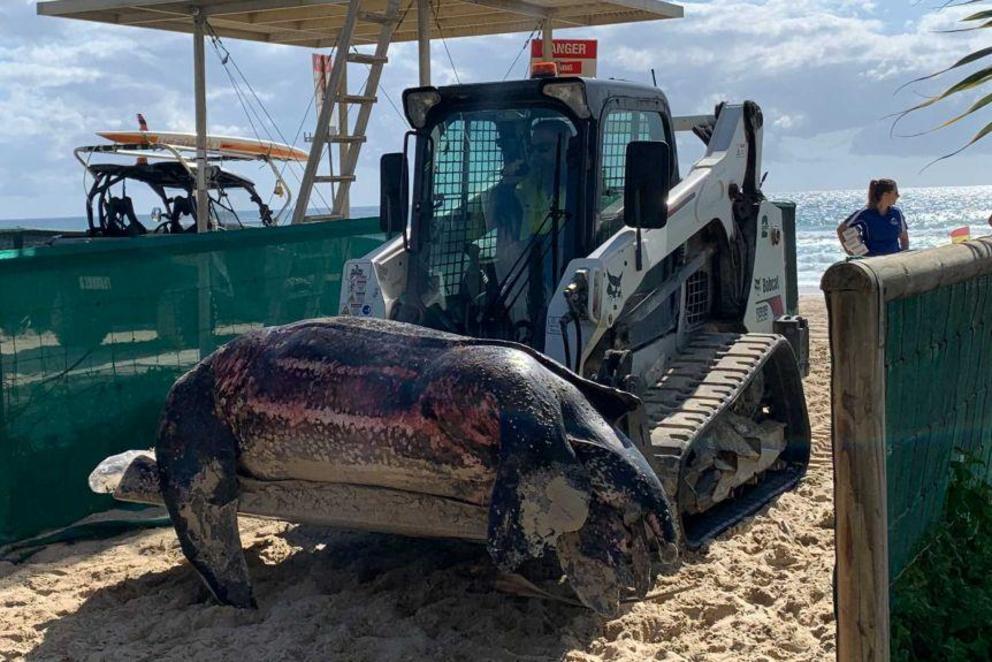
{"points": [[881, 224]]}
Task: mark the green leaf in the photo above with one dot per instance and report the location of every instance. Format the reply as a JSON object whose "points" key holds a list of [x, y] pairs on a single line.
{"points": [[976, 79], [942, 605], [960, 4], [971, 81], [987, 24], [978, 16], [968, 59], [978, 105]]}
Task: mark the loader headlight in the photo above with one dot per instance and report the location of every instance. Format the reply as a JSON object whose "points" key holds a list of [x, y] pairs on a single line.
{"points": [[572, 93], [417, 103]]}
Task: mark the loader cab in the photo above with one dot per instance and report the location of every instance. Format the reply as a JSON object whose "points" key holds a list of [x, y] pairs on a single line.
{"points": [[511, 181]]}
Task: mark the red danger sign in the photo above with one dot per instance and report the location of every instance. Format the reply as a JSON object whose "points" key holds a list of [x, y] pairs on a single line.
{"points": [[575, 57], [566, 48]]}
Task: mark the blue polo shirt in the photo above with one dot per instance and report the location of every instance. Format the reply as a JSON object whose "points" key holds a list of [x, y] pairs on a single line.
{"points": [[879, 232]]}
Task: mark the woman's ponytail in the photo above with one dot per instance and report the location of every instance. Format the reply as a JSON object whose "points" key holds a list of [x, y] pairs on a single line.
{"points": [[877, 188]]}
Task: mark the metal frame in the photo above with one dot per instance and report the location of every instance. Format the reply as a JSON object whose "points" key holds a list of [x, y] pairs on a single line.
{"points": [[203, 222], [324, 117], [155, 151]]}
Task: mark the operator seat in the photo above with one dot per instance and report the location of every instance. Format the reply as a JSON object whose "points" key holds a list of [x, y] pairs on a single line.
{"points": [[121, 219], [181, 206]]}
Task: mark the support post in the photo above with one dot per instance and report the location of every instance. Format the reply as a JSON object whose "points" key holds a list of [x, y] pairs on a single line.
{"points": [[200, 96], [344, 207], [424, 40], [857, 332], [330, 147], [203, 223], [547, 48]]}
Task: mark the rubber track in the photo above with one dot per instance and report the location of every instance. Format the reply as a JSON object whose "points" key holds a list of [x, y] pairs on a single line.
{"points": [[700, 383]]}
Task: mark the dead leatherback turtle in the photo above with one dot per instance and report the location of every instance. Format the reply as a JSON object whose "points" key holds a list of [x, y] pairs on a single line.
{"points": [[404, 409]]}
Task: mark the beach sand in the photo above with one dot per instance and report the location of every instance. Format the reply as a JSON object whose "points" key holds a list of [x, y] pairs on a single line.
{"points": [[761, 591]]}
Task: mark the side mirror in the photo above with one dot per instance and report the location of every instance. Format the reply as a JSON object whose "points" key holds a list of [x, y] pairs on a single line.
{"points": [[648, 176], [394, 201]]}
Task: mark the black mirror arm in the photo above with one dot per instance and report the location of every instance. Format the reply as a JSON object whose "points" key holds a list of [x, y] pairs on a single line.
{"points": [[639, 250], [555, 210]]}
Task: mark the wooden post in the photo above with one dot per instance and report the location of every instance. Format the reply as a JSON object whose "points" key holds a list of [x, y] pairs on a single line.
{"points": [[547, 48], [200, 97], [344, 207], [424, 40], [203, 223], [323, 97], [857, 336]]}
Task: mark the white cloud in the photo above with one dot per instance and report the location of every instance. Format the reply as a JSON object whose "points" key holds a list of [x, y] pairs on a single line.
{"points": [[786, 122], [745, 37]]}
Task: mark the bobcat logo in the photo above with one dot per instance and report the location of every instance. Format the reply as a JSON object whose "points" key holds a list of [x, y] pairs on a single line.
{"points": [[614, 285]]}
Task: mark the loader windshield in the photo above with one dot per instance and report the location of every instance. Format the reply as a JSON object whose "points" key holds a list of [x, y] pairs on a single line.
{"points": [[495, 244]]}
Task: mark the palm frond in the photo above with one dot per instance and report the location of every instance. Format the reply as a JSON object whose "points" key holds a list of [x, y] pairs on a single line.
{"points": [[969, 82], [987, 24], [979, 20], [986, 130], [978, 105], [967, 59], [978, 16], [951, 5]]}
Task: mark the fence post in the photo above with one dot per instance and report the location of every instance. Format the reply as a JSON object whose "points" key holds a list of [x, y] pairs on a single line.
{"points": [[857, 317]]}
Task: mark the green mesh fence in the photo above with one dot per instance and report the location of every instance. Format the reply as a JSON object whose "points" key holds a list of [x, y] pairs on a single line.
{"points": [[92, 335], [938, 371]]}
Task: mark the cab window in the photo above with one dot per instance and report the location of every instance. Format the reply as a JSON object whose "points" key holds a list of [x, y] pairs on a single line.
{"points": [[620, 128]]}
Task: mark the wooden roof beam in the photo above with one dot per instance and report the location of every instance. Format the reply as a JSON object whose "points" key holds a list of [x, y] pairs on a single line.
{"points": [[75, 7], [451, 13], [314, 23], [246, 6]]}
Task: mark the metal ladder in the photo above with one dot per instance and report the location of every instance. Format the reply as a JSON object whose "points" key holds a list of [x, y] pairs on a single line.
{"points": [[336, 93]]}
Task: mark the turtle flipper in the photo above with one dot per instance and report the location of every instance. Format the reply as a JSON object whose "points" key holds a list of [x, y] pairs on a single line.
{"points": [[541, 491], [629, 517], [197, 462], [598, 561], [208, 535]]}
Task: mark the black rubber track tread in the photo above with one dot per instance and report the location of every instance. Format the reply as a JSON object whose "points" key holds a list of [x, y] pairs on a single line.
{"points": [[698, 385]]}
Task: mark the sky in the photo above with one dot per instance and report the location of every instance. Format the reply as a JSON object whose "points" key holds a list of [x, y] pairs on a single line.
{"points": [[827, 74]]}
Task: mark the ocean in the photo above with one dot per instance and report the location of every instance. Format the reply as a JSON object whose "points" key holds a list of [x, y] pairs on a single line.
{"points": [[930, 212]]}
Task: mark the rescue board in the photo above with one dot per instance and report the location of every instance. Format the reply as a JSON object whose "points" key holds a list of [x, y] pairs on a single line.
{"points": [[224, 144]]}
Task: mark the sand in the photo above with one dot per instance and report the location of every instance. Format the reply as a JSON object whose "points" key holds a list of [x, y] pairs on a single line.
{"points": [[760, 592]]}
